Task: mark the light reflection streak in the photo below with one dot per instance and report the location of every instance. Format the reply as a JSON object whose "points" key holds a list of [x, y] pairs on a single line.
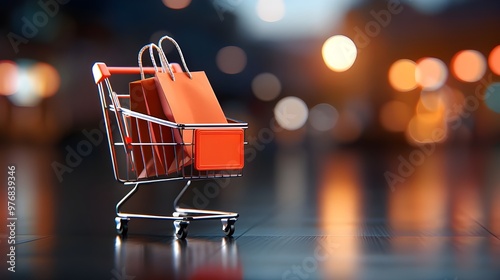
{"points": [[340, 209], [181, 259]]}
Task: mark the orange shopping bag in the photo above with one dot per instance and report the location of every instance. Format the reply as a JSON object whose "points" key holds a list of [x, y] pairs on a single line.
{"points": [[188, 98], [150, 160]]}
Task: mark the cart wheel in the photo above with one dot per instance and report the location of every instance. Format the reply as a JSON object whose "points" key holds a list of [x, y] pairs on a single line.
{"points": [[228, 226], [121, 226], [181, 230], [229, 230]]}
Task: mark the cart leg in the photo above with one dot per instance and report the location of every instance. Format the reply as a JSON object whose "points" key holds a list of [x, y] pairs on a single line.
{"points": [[121, 220], [178, 212], [124, 199]]}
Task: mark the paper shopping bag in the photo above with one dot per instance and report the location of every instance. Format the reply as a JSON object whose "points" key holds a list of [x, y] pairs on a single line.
{"points": [[151, 160], [192, 101], [188, 101]]}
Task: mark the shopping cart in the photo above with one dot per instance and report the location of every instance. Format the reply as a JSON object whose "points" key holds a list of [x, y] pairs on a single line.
{"points": [[126, 151]]}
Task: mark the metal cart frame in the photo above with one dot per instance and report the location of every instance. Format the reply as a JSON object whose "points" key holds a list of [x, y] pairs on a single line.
{"points": [[121, 145]]}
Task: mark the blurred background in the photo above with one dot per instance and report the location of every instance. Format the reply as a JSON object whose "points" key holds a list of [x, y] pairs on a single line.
{"points": [[407, 69], [378, 110]]}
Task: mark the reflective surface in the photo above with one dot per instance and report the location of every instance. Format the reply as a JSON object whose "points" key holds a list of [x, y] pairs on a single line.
{"points": [[304, 214]]}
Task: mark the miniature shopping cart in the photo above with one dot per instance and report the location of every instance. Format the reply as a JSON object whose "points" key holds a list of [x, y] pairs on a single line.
{"points": [[160, 145]]}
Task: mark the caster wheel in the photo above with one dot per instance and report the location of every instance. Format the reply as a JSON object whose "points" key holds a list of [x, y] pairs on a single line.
{"points": [[229, 230], [121, 226], [228, 226], [181, 230]]}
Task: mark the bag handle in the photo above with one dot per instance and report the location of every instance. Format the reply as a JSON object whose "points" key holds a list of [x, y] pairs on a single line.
{"points": [[180, 54], [163, 59]]}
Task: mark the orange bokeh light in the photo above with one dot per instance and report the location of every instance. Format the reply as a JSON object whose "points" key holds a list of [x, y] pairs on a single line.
{"points": [[47, 79], [494, 60], [468, 65], [402, 75], [176, 4], [431, 100], [427, 126], [8, 77]]}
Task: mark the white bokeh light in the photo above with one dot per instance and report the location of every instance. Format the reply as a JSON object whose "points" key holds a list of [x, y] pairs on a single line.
{"points": [[270, 10], [291, 113], [323, 117], [266, 86], [231, 59], [339, 53], [431, 73]]}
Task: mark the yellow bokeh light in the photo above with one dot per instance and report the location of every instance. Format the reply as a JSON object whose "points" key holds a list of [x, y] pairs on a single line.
{"points": [[494, 60], [339, 53], [47, 79], [402, 75], [176, 4], [8, 77], [231, 60], [395, 116], [468, 65], [270, 10], [431, 73]]}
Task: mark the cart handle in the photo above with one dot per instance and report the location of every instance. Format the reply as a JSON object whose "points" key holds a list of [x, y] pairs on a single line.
{"points": [[101, 71]]}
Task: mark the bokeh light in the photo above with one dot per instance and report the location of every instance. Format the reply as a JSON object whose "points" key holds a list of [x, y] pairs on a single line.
{"points": [[402, 75], [176, 4], [323, 117], [494, 60], [468, 65], [291, 113], [427, 126], [8, 77], [231, 60], [395, 116], [25, 95], [431, 73], [266, 86], [47, 79], [431, 100], [493, 97], [339, 53], [36, 81], [270, 10]]}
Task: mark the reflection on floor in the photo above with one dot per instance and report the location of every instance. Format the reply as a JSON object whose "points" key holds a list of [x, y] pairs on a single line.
{"points": [[303, 215]]}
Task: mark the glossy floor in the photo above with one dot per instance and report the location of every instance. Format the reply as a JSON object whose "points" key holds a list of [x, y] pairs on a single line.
{"points": [[304, 214]]}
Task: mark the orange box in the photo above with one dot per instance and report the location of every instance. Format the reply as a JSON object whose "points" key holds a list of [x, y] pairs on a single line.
{"points": [[219, 149]]}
